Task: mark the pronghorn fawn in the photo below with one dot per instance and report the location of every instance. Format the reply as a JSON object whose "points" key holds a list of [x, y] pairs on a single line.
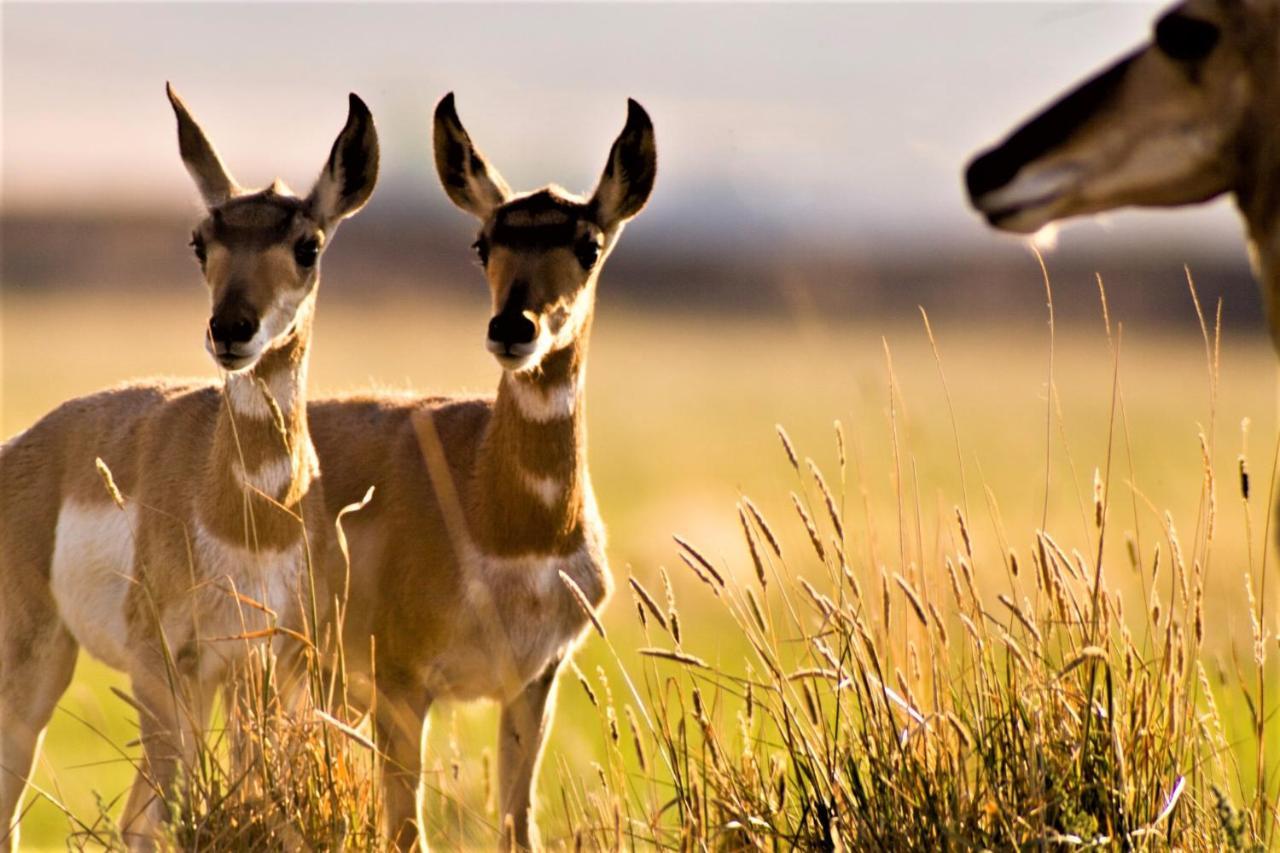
{"points": [[1181, 120], [164, 572], [482, 505]]}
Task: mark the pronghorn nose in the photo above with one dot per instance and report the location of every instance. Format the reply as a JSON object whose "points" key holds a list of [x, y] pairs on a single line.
{"points": [[233, 325], [989, 172], [508, 328]]}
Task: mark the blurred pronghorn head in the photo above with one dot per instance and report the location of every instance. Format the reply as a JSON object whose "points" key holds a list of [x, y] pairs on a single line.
{"points": [[260, 251], [1180, 120], [542, 252]]}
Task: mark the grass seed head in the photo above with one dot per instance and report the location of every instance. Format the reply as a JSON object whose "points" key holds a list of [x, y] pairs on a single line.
{"points": [[753, 549], [810, 527], [788, 447], [647, 600], [109, 482], [764, 526]]}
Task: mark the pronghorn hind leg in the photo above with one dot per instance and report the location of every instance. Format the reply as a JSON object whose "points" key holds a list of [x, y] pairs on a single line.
{"points": [[402, 727], [37, 659], [522, 732]]}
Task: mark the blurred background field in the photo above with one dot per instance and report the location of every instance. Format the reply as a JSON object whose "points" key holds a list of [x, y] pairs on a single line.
{"points": [[809, 199]]}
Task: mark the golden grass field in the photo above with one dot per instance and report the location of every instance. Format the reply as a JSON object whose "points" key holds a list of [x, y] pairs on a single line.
{"points": [[682, 411]]}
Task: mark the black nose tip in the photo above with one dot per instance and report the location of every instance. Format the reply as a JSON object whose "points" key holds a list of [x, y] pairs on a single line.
{"points": [[512, 329], [233, 327], [989, 172]]}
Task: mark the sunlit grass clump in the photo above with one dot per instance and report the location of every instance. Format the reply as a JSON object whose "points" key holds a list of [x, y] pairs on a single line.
{"points": [[890, 700], [282, 775], [886, 710]]}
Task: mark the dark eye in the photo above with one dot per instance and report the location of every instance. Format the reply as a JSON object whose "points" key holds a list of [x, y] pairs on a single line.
{"points": [[588, 252], [197, 246], [481, 248], [305, 252], [1185, 39]]}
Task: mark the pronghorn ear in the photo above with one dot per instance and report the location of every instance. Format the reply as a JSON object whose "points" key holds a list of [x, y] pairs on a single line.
{"points": [[347, 180], [212, 178], [628, 176], [468, 179]]}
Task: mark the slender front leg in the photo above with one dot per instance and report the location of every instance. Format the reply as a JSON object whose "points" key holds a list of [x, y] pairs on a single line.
{"points": [[521, 733], [172, 719], [36, 662], [402, 724]]}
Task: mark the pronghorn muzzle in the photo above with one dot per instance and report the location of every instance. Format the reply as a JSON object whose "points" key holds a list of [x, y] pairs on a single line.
{"points": [[514, 330], [1004, 181], [233, 325]]}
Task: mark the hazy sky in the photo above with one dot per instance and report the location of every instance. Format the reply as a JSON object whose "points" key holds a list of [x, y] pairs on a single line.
{"points": [[835, 118]]}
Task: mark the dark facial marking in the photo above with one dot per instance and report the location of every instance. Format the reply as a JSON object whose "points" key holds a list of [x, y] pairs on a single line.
{"points": [[197, 246], [510, 326], [542, 220], [306, 251], [517, 300], [587, 251], [533, 237], [1185, 39], [1043, 133], [256, 221], [234, 320]]}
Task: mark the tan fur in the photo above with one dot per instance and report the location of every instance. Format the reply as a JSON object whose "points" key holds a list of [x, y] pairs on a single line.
{"points": [[456, 563], [148, 577]]}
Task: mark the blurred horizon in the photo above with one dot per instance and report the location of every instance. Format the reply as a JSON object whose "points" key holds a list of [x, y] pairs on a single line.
{"points": [[808, 153]]}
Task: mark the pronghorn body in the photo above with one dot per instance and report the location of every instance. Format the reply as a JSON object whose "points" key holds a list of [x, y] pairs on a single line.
{"points": [[210, 489], [482, 506], [1179, 121], [109, 566], [472, 606]]}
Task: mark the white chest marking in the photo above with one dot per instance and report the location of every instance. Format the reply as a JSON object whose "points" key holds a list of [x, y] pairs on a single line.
{"points": [[518, 618], [270, 577], [247, 400], [91, 572]]}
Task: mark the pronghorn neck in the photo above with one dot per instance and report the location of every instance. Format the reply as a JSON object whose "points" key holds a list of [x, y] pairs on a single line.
{"points": [[1257, 191], [1258, 198], [532, 462], [261, 458], [1264, 254]]}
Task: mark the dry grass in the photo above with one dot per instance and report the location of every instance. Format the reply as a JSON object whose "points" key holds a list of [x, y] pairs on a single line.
{"points": [[875, 671], [892, 701], [887, 709]]}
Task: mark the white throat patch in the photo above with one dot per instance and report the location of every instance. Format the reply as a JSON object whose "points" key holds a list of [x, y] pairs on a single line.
{"points": [[545, 404], [546, 489], [247, 400]]}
